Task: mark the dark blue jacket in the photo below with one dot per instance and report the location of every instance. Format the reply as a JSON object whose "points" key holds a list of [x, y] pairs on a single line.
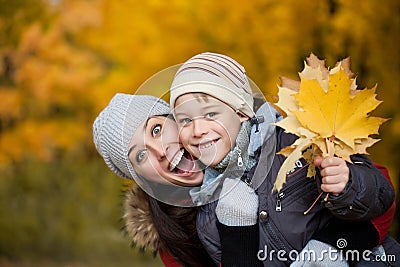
{"points": [[282, 224]]}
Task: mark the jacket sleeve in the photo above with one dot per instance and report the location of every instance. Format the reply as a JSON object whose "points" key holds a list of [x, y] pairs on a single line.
{"points": [[239, 245], [367, 195]]}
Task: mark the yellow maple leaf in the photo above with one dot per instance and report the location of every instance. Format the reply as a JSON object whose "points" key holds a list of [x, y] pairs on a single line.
{"points": [[336, 113], [328, 114]]}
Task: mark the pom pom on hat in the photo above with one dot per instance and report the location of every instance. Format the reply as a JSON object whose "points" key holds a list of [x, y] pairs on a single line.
{"points": [[218, 76], [114, 127]]}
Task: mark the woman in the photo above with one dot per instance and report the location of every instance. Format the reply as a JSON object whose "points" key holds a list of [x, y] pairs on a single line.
{"points": [[138, 141]]}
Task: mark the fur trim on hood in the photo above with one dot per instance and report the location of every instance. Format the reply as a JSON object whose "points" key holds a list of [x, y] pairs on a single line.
{"points": [[139, 224]]}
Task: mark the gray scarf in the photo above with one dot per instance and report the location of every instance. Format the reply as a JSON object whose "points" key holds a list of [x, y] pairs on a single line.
{"points": [[238, 158]]}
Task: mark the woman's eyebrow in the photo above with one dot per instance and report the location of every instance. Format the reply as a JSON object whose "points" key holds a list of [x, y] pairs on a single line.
{"points": [[147, 122], [131, 149]]}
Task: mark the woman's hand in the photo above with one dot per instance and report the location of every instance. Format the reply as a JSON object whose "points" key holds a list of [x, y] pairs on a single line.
{"points": [[334, 172]]}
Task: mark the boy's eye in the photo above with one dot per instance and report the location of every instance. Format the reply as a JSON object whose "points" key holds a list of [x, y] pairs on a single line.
{"points": [[185, 121], [156, 130], [140, 155], [210, 115]]}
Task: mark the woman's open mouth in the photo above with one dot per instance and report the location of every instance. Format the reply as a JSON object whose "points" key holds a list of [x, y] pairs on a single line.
{"points": [[182, 163]]}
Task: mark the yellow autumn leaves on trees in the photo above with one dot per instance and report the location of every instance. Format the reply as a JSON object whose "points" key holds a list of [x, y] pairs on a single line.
{"points": [[328, 114]]}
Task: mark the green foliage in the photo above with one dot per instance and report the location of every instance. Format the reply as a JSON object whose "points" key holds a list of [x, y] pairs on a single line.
{"points": [[15, 15], [65, 211]]}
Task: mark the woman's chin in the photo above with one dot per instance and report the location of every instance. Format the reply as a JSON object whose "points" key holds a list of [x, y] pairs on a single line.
{"points": [[189, 179]]}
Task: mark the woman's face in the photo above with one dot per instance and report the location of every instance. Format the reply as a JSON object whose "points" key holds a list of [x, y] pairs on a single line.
{"points": [[157, 155]]}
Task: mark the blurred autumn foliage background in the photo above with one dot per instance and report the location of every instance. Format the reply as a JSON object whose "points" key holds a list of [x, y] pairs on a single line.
{"points": [[62, 60]]}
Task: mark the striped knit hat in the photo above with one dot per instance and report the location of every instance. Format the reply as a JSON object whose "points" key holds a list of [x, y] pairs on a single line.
{"points": [[216, 75], [115, 125]]}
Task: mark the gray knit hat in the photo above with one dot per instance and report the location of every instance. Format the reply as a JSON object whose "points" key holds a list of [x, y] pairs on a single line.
{"points": [[217, 75], [114, 127]]}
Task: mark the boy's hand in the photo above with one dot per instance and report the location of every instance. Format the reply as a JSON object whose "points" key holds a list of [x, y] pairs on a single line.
{"points": [[334, 172]]}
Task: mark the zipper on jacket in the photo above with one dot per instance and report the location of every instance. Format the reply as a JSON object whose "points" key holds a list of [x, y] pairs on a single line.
{"points": [[278, 206], [284, 192], [275, 237]]}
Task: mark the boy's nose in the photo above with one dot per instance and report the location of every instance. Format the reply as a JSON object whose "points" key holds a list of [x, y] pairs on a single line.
{"points": [[199, 128]]}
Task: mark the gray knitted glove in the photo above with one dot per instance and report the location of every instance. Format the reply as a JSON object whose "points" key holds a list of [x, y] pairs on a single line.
{"points": [[238, 204]]}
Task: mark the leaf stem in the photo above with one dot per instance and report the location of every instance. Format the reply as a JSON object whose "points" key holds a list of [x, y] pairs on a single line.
{"points": [[313, 204]]}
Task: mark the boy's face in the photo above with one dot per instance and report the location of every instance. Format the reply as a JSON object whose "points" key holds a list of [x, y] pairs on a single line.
{"points": [[207, 127]]}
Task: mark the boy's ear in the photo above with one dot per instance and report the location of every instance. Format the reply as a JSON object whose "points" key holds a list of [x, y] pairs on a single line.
{"points": [[242, 116], [245, 118]]}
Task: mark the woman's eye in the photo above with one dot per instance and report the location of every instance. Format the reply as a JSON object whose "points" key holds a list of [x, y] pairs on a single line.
{"points": [[210, 115], [156, 130], [140, 155]]}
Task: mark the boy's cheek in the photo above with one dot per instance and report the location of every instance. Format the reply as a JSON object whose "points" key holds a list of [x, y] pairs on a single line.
{"points": [[184, 136], [186, 145]]}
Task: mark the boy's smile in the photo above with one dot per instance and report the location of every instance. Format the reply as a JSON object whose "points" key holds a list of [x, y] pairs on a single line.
{"points": [[207, 127], [207, 144]]}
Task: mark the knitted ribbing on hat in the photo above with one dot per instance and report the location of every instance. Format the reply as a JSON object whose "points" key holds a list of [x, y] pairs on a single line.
{"points": [[230, 161], [114, 126]]}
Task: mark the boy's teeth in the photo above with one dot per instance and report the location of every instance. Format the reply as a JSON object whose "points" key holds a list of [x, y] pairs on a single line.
{"points": [[206, 145], [176, 160]]}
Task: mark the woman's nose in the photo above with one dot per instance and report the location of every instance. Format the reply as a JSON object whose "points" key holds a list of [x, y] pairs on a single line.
{"points": [[158, 148]]}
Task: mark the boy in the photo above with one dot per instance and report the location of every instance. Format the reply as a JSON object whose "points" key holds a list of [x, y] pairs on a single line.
{"points": [[212, 103]]}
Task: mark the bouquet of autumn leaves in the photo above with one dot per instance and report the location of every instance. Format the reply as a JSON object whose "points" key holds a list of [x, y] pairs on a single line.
{"points": [[328, 114]]}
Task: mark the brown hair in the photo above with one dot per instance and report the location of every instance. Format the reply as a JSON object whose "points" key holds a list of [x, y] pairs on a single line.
{"points": [[176, 227]]}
